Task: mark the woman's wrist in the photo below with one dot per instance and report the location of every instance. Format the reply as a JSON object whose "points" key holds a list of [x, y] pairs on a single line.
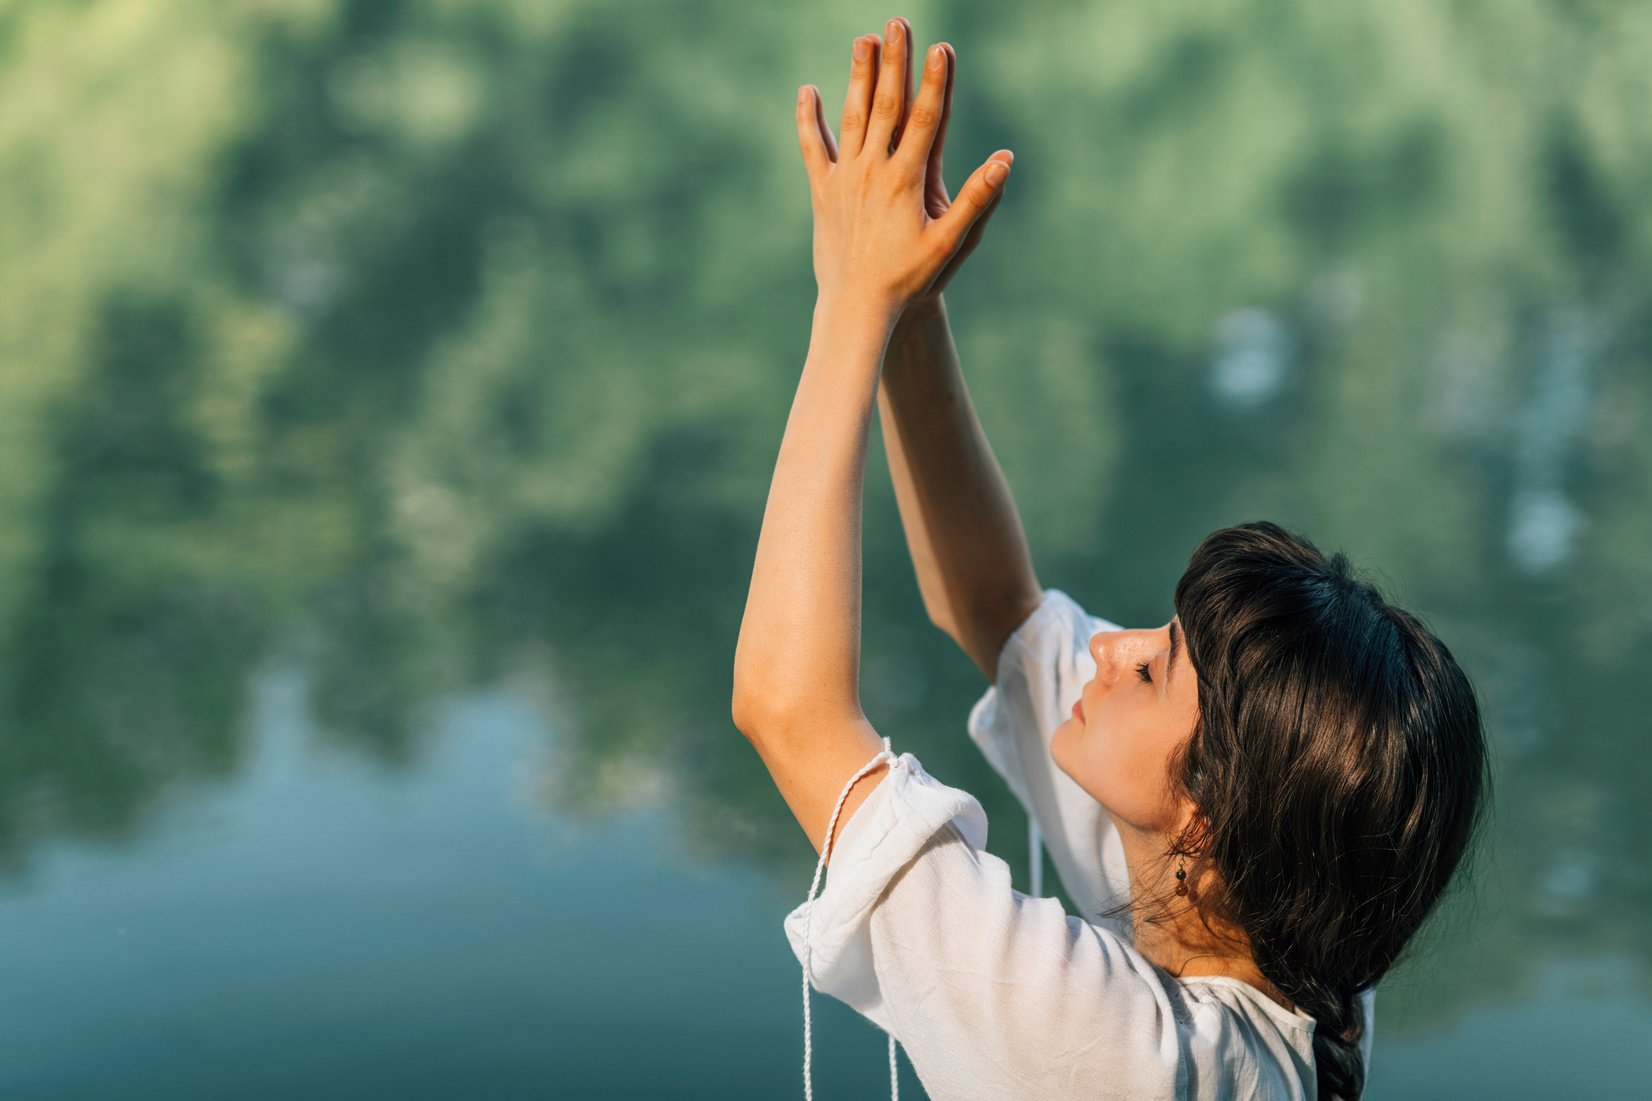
{"points": [[860, 312], [921, 331], [927, 310]]}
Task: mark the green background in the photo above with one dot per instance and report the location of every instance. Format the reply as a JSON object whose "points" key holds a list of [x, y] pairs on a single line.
{"points": [[388, 397]]}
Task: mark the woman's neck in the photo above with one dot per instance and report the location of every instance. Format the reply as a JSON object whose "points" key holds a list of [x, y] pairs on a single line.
{"points": [[1183, 958], [1169, 930]]}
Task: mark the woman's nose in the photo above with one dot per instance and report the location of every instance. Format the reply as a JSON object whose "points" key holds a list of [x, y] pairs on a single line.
{"points": [[1103, 646], [1112, 650]]}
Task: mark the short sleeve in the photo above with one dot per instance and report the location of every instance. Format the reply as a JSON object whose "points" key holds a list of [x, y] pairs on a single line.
{"points": [[1043, 666], [882, 836], [991, 992]]}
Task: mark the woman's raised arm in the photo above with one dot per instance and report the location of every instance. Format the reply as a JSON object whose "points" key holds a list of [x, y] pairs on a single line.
{"points": [[967, 543]]}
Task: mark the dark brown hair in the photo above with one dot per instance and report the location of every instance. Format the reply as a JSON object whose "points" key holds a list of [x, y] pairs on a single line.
{"points": [[1337, 765]]}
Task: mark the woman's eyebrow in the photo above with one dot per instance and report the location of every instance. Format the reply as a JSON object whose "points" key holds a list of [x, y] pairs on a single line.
{"points": [[1175, 643]]}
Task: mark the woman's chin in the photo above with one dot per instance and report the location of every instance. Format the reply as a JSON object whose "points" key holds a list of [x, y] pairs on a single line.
{"points": [[1058, 739]]}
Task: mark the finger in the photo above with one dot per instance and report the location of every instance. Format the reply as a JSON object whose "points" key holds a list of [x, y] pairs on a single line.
{"points": [[886, 98], [973, 199], [857, 104], [936, 197], [906, 90], [933, 171], [816, 159], [973, 237], [926, 112], [826, 138]]}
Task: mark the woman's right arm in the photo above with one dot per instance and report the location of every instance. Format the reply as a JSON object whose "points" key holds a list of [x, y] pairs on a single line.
{"points": [[966, 539]]}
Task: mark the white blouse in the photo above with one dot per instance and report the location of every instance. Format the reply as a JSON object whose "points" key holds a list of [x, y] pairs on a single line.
{"points": [[996, 994]]}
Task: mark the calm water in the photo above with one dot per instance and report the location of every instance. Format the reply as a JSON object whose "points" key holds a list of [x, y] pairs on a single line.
{"points": [[323, 928], [388, 395]]}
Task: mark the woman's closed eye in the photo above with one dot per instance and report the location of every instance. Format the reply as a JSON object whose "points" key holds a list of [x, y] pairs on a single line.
{"points": [[1141, 671]]}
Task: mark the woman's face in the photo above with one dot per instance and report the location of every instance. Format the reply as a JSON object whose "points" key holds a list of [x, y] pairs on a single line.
{"points": [[1139, 708]]}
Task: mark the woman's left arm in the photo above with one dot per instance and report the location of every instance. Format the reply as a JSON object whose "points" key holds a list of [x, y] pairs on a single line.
{"points": [[797, 662]]}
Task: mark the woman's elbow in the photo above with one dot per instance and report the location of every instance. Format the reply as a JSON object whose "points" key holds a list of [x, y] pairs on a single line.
{"points": [[744, 713]]}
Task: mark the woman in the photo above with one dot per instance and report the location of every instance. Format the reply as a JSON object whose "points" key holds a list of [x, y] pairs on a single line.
{"points": [[1255, 805]]}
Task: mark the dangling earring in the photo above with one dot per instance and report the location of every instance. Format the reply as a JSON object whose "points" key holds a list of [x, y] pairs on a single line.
{"points": [[1181, 876]]}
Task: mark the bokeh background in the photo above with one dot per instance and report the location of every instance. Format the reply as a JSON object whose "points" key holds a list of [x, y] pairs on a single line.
{"points": [[388, 397]]}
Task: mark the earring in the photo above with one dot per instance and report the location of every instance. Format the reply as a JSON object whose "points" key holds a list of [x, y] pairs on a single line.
{"points": [[1181, 876]]}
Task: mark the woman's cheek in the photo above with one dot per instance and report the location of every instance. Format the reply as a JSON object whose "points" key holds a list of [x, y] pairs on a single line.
{"points": [[1128, 776]]}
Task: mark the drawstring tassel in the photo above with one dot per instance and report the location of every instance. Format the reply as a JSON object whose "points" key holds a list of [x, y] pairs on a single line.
{"points": [[887, 754]]}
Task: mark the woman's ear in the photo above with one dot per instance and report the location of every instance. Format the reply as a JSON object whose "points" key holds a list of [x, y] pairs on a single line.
{"points": [[1191, 830]]}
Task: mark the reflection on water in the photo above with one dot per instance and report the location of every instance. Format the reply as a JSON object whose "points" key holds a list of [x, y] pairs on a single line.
{"points": [[1577, 1021], [350, 931], [427, 349], [353, 931]]}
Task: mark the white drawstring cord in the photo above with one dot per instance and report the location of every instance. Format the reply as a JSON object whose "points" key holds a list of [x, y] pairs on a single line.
{"points": [[887, 754], [1035, 855]]}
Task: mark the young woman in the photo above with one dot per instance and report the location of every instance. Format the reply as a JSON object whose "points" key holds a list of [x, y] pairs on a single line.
{"points": [[1254, 805]]}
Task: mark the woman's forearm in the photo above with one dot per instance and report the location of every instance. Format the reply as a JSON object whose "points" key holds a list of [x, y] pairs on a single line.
{"points": [[966, 539], [799, 645]]}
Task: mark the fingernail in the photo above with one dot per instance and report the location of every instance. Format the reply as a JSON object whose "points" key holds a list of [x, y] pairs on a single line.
{"points": [[936, 56], [894, 30], [996, 173], [861, 47]]}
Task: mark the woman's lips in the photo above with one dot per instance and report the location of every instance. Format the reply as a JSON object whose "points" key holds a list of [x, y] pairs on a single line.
{"points": [[1078, 708]]}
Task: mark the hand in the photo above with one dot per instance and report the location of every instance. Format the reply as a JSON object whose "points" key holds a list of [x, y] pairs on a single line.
{"points": [[884, 227]]}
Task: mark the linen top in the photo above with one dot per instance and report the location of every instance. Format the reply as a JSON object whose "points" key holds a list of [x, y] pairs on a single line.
{"points": [[996, 994]]}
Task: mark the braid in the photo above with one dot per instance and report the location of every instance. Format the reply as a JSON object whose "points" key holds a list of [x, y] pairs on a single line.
{"points": [[1337, 1031]]}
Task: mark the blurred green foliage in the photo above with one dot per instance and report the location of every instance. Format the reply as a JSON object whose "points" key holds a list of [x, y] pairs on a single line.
{"points": [[432, 342]]}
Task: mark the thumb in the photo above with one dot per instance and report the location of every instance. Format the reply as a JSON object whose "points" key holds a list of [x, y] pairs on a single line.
{"points": [[979, 193]]}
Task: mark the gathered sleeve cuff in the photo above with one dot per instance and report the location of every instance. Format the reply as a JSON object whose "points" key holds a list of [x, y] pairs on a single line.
{"points": [[885, 833]]}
